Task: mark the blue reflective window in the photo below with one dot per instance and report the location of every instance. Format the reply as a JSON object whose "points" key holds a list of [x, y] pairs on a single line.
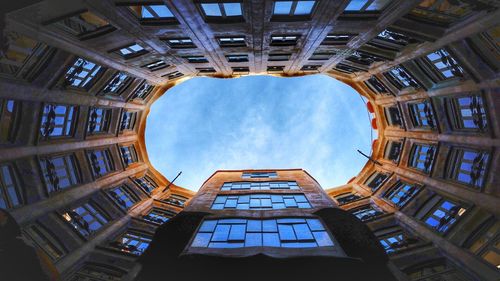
{"points": [[258, 175], [468, 166], [57, 120], [422, 115], [422, 157], [158, 216], [467, 113], [393, 242], [444, 215], [267, 185], [9, 189], [260, 202], [232, 9], [129, 155], [123, 197], [117, 83], [401, 78], [59, 172], [146, 183], [100, 161], [239, 233], [445, 64], [85, 219], [211, 9], [367, 213], [401, 193], [222, 10], [156, 11], [82, 73], [130, 51], [133, 243], [99, 120], [366, 5], [282, 7]]}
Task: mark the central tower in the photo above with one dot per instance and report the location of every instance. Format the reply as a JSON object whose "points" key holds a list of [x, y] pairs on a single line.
{"points": [[263, 225]]}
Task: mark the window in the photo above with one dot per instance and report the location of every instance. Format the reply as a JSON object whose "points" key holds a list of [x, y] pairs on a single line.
{"points": [[153, 14], [260, 202], [243, 69], [279, 57], [86, 219], [446, 12], [117, 84], [99, 120], [93, 272], [396, 241], [143, 91], [422, 157], [176, 200], [123, 197], [445, 64], [444, 215], [401, 193], [422, 115], [196, 59], [367, 213], [146, 183], [205, 69], [391, 40], [158, 216], [337, 39], [467, 166], [393, 151], [363, 58], [101, 162], [58, 121], [82, 74], [180, 43], [346, 198], [366, 5], [84, 25], [310, 67], [485, 242], [258, 175], [237, 58], [129, 155], [45, 240], [173, 75], [467, 113], [321, 56], [393, 116], [401, 78], [21, 53], [128, 120], [237, 41], [156, 65], [267, 185], [284, 40], [435, 270], [132, 243], [293, 9], [130, 51], [222, 12], [10, 196], [9, 110], [277, 68], [376, 180], [59, 172], [376, 86], [346, 68], [240, 233]]}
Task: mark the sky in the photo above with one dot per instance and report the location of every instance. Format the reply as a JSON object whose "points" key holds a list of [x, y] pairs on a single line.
{"points": [[259, 122]]}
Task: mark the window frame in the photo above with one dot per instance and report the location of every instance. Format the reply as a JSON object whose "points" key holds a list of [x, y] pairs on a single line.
{"points": [[133, 53], [291, 16], [68, 126], [284, 41], [15, 185], [8, 129], [59, 24], [456, 118], [122, 85], [183, 42], [415, 157], [100, 216], [119, 200], [155, 19], [104, 123], [453, 167], [398, 191], [93, 75], [419, 122], [223, 18], [108, 163], [73, 173], [438, 207]]}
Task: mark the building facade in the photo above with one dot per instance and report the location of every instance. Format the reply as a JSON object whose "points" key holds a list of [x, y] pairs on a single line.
{"points": [[264, 225], [77, 79]]}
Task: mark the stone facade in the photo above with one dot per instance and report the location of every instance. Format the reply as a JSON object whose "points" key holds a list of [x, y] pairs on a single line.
{"points": [[77, 79]]}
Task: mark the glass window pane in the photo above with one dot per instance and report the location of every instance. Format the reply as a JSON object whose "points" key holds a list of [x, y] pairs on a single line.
{"points": [[282, 7], [211, 9], [304, 7], [232, 9]]}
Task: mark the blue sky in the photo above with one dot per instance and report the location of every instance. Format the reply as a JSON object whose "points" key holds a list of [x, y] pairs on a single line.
{"points": [[258, 122]]}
